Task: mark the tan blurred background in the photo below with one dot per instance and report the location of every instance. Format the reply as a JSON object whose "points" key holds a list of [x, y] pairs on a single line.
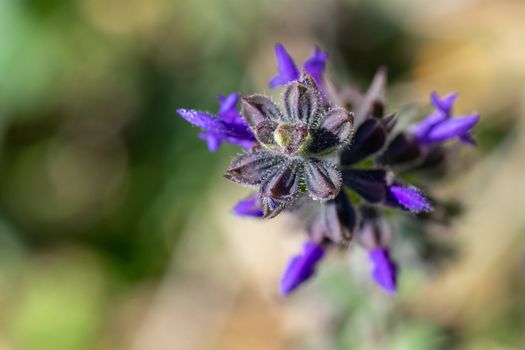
{"points": [[115, 223]]}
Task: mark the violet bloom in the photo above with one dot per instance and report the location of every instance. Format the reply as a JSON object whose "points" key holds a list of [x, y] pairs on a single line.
{"points": [[384, 270], [334, 171], [408, 198], [301, 267], [288, 72], [249, 206], [439, 126], [227, 125]]}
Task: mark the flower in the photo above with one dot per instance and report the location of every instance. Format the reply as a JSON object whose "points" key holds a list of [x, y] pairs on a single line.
{"points": [[384, 271], [288, 72], [334, 169], [250, 206], [227, 125], [439, 126], [301, 267]]}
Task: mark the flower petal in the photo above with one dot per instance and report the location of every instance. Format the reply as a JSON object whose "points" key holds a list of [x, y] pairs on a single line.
{"points": [[323, 179], [284, 181], [249, 206], [451, 128], [286, 68], [444, 104], [214, 126], [409, 198], [258, 108], [467, 139], [368, 183], [301, 103], [368, 139], [316, 65], [213, 141], [251, 168], [301, 267], [384, 271]]}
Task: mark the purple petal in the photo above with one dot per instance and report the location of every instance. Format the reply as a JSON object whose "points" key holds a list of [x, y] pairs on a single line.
{"points": [[228, 109], [444, 104], [409, 198], [301, 267], [467, 139], [287, 70], [384, 271], [213, 142], [316, 66], [451, 128], [421, 129], [249, 206], [214, 126], [218, 130], [244, 143]]}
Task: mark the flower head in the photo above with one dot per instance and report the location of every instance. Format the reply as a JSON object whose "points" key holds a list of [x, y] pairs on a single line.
{"points": [[333, 168]]}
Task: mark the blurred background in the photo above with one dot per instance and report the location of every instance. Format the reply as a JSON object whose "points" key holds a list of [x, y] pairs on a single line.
{"points": [[115, 223]]}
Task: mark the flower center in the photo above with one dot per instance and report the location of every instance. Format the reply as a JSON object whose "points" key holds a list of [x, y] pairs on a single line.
{"points": [[290, 136]]}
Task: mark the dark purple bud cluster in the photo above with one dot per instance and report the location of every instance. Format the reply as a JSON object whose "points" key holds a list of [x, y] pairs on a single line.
{"points": [[292, 157], [311, 156]]}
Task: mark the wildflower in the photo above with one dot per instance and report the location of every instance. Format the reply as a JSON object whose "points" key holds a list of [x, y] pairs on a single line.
{"points": [[439, 126], [227, 125], [288, 72], [384, 271], [337, 168], [374, 235], [301, 267], [249, 206]]}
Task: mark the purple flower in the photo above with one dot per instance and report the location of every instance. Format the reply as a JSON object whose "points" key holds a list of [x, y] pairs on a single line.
{"points": [[439, 126], [408, 198], [227, 125], [384, 270], [250, 206], [287, 69], [334, 169], [301, 267]]}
